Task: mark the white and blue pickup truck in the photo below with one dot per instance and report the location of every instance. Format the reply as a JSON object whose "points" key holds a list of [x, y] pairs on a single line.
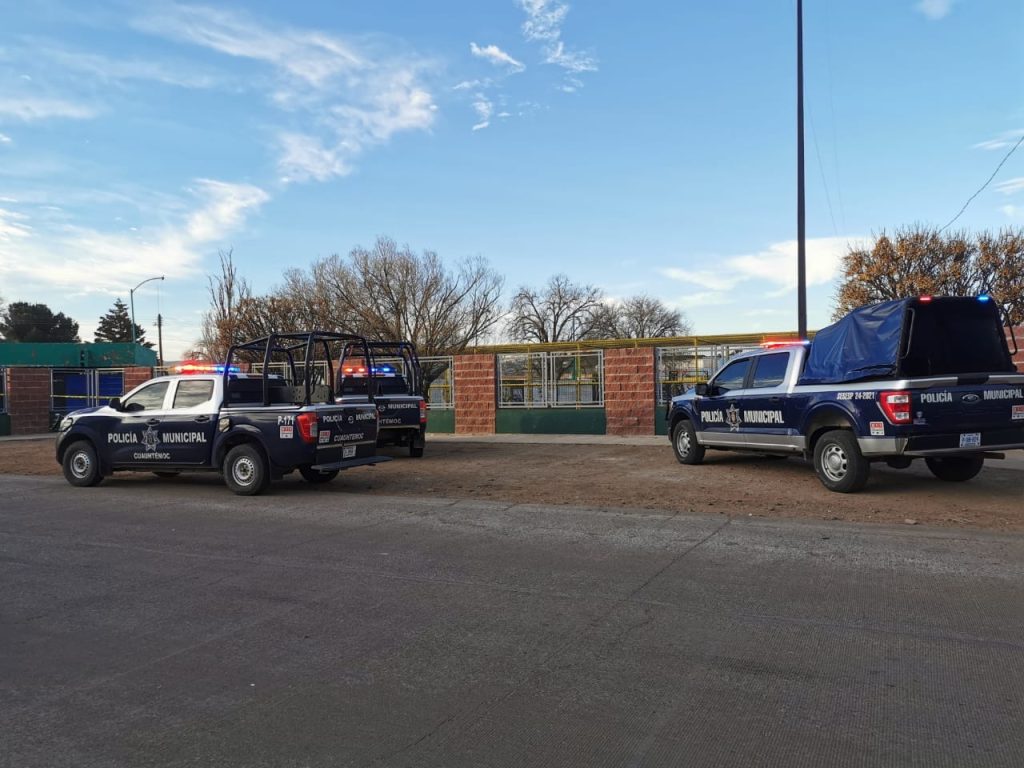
{"points": [[252, 428], [927, 377]]}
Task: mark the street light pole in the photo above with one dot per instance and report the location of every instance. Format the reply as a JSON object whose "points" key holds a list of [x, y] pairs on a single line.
{"points": [[801, 234], [131, 300]]}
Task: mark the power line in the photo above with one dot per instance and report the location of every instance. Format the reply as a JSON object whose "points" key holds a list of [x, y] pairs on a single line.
{"points": [[987, 182]]}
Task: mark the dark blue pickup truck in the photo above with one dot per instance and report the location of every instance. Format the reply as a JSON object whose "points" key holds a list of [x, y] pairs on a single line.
{"points": [[397, 387], [927, 377], [253, 428]]}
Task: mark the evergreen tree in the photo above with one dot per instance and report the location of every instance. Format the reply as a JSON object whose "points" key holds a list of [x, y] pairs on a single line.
{"points": [[116, 326], [22, 321]]}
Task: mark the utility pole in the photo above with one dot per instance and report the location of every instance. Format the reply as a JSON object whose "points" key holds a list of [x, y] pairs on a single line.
{"points": [[131, 299], [160, 339], [801, 234]]}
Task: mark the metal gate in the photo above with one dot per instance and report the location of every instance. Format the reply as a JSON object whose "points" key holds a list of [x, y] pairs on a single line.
{"points": [[551, 380], [74, 388], [679, 368], [439, 375]]}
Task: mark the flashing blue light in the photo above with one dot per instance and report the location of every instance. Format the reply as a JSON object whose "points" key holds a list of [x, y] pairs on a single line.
{"points": [[232, 369], [984, 298]]}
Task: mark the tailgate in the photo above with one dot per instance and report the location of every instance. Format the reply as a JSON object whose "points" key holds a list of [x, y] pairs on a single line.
{"points": [[398, 411], [969, 416], [346, 431]]}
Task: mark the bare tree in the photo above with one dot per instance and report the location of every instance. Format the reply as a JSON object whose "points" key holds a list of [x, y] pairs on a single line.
{"points": [[638, 317], [918, 261], [389, 292], [220, 323], [561, 311]]}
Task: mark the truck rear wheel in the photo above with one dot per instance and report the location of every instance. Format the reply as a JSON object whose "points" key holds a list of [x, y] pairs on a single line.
{"points": [[955, 469], [80, 465], [316, 477], [684, 443], [840, 465], [245, 470], [416, 445]]}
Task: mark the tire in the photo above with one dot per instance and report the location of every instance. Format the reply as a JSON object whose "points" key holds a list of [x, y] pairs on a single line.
{"points": [[80, 465], [839, 463], [684, 443], [166, 475], [315, 477], [416, 445], [955, 469], [245, 470]]}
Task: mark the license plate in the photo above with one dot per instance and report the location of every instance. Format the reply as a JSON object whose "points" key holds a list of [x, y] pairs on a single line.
{"points": [[348, 451], [970, 440]]}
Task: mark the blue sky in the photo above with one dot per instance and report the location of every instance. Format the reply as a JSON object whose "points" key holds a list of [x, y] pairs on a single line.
{"points": [[639, 146]]}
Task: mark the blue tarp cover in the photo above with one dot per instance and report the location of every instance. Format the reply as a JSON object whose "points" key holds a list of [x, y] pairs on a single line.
{"points": [[865, 344]]}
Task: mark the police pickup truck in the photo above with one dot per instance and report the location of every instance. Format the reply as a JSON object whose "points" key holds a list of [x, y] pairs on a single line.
{"points": [[927, 377], [397, 389], [250, 427]]}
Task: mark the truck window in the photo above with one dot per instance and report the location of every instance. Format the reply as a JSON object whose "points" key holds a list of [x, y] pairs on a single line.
{"points": [[192, 393], [149, 398], [951, 337], [770, 370], [732, 376]]}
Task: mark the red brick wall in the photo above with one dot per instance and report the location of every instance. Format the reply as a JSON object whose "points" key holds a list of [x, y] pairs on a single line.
{"points": [[475, 394], [629, 391], [28, 400], [135, 376], [1018, 332]]}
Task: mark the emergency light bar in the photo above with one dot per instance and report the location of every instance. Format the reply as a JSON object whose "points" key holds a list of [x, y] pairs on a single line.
{"points": [[783, 343], [360, 370], [192, 368]]}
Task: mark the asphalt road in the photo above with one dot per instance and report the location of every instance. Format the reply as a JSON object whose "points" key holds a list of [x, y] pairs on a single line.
{"points": [[175, 624]]}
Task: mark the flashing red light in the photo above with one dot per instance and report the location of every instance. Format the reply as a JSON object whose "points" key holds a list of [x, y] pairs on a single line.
{"points": [[895, 406], [782, 343], [309, 429], [925, 299], [354, 370]]}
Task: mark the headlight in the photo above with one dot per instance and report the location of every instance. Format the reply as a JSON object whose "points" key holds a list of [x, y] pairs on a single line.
{"points": [[65, 423]]}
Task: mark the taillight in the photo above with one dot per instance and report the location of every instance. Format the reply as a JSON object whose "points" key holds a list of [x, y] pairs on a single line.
{"points": [[423, 411], [309, 430], [895, 406]]}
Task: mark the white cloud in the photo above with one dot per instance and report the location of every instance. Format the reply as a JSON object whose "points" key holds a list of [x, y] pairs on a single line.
{"points": [[543, 19], [106, 69], [1002, 141], [775, 265], [85, 260], [496, 56], [468, 85], [305, 157], [352, 94], [1011, 186], [31, 108], [484, 109], [5, 139], [9, 226], [1012, 211], [935, 9], [571, 61], [543, 23]]}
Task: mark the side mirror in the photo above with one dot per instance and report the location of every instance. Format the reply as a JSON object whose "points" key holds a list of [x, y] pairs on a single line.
{"points": [[702, 390], [115, 403]]}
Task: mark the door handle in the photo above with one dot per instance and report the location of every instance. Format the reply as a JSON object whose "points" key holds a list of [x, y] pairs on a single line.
{"points": [[775, 400], [153, 422], [202, 419]]}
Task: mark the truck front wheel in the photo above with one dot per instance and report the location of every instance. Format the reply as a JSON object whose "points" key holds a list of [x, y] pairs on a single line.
{"points": [[245, 470], [684, 443], [955, 469], [839, 463], [81, 468]]}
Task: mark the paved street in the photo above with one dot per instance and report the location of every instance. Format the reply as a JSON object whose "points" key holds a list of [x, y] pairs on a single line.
{"points": [[150, 623]]}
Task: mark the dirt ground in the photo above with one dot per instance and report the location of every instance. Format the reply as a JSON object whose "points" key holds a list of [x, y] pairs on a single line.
{"points": [[640, 477]]}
